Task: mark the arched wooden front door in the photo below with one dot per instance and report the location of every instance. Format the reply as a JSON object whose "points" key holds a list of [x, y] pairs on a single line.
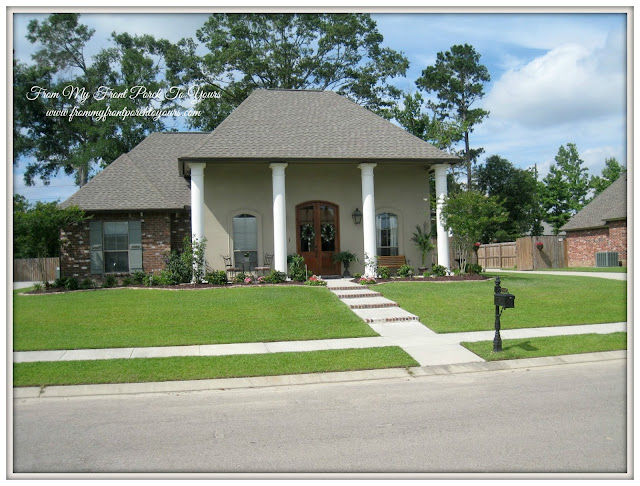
{"points": [[318, 236]]}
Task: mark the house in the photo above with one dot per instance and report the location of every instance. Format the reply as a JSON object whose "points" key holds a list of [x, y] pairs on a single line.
{"points": [[288, 171], [601, 226]]}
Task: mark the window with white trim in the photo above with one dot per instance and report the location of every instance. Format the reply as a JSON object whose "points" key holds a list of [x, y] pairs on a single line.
{"points": [[245, 241], [387, 234]]}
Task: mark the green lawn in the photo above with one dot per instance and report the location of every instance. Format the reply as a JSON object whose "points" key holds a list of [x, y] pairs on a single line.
{"points": [[549, 346], [540, 301], [587, 269], [200, 368], [154, 317]]}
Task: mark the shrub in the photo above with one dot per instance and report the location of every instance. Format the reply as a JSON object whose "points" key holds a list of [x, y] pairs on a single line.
{"points": [[109, 281], [217, 277], [384, 272], [473, 268], [438, 271], [87, 283], [38, 286], [71, 283], [357, 275], [274, 277], [405, 271], [60, 282], [179, 268], [151, 280], [315, 281], [240, 278], [138, 277], [297, 270], [456, 271], [126, 281]]}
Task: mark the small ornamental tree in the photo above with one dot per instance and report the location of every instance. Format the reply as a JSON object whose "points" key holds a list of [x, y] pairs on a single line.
{"points": [[468, 215]]}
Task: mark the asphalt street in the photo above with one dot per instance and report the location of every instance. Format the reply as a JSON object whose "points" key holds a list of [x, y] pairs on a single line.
{"points": [[556, 419]]}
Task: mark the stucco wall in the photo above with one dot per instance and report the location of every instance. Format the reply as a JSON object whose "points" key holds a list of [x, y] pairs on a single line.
{"points": [[236, 188], [582, 246]]}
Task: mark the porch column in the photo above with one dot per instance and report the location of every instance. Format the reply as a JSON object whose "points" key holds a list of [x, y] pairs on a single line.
{"points": [[441, 194], [279, 218], [197, 202], [368, 219]]}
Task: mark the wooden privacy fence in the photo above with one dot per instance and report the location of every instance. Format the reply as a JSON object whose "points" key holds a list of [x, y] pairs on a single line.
{"points": [[498, 255], [35, 269], [552, 254]]}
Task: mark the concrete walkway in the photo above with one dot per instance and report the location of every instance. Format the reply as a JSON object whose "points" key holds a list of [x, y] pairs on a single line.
{"points": [[610, 275], [395, 326]]}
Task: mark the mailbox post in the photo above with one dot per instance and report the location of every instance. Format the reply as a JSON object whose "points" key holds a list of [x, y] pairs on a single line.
{"points": [[501, 298]]}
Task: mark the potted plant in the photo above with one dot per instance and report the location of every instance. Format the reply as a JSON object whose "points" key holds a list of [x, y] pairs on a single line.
{"points": [[345, 257], [539, 245], [422, 239]]}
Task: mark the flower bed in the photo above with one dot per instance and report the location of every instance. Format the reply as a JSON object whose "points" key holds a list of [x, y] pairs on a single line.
{"points": [[450, 278]]}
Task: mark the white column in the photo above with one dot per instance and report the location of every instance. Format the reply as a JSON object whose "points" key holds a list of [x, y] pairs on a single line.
{"points": [[279, 218], [368, 219], [443, 236], [197, 202]]}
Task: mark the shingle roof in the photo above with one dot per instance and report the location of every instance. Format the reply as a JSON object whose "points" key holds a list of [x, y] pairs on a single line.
{"points": [[145, 178], [610, 204], [304, 125]]}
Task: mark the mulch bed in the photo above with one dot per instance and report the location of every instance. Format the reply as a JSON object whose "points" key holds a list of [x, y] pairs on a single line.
{"points": [[451, 278], [58, 290]]}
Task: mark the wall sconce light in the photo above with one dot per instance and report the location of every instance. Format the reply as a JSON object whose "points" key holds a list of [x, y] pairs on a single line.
{"points": [[357, 216]]}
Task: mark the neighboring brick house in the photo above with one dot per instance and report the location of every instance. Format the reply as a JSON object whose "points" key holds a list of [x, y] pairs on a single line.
{"points": [[228, 187], [601, 226]]}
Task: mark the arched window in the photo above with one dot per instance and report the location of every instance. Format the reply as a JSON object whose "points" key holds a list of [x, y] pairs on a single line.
{"points": [[245, 241], [387, 234]]}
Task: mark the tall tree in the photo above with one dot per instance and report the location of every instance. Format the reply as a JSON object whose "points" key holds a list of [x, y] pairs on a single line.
{"points": [[611, 172], [341, 52], [566, 187], [516, 189], [457, 79], [45, 130]]}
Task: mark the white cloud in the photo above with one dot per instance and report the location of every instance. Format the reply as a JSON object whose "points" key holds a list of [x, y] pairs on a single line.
{"points": [[569, 84]]}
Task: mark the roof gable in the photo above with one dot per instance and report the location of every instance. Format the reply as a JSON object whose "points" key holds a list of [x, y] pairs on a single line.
{"points": [[310, 125], [610, 204]]}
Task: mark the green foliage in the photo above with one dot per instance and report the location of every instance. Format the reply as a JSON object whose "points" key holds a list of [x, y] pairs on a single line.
{"points": [[138, 277], [566, 187], [71, 283], [422, 239], [240, 278], [315, 282], [438, 271], [87, 284], [611, 172], [358, 275], [345, 257], [36, 227], [383, 272], [469, 215], [457, 79], [275, 277], [243, 52], [473, 268], [179, 268], [517, 190], [297, 270], [110, 281], [217, 277], [127, 281], [405, 271], [80, 145]]}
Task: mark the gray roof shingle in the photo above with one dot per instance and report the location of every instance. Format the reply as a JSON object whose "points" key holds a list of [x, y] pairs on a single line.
{"points": [[145, 178], [610, 204], [302, 125]]}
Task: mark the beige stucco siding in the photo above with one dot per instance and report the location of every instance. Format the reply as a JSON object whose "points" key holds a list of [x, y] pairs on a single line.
{"points": [[236, 188]]}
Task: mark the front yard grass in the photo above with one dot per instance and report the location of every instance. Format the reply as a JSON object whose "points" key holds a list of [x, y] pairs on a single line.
{"points": [[209, 367], [540, 301], [549, 346], [153, 317]]}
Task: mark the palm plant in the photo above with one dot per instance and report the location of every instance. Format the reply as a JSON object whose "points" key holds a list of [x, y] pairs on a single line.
{"points": [[422, 239]]}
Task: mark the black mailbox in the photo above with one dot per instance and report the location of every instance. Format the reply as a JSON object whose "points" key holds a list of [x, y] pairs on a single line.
{"points": [[506, 301]]}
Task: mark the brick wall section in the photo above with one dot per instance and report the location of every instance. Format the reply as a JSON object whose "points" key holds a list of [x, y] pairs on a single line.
{"points": [[180, 227], [160, 234], [582, 246]]}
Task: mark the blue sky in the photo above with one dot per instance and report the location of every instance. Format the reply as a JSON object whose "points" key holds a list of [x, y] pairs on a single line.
{"points": [[556, 78]]}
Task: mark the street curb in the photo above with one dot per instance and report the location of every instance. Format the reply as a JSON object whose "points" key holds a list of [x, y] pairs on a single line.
{"points": [[307, 379]]}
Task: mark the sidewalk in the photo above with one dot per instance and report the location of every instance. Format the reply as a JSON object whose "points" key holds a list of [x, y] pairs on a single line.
{"points": [[395, 326]]}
